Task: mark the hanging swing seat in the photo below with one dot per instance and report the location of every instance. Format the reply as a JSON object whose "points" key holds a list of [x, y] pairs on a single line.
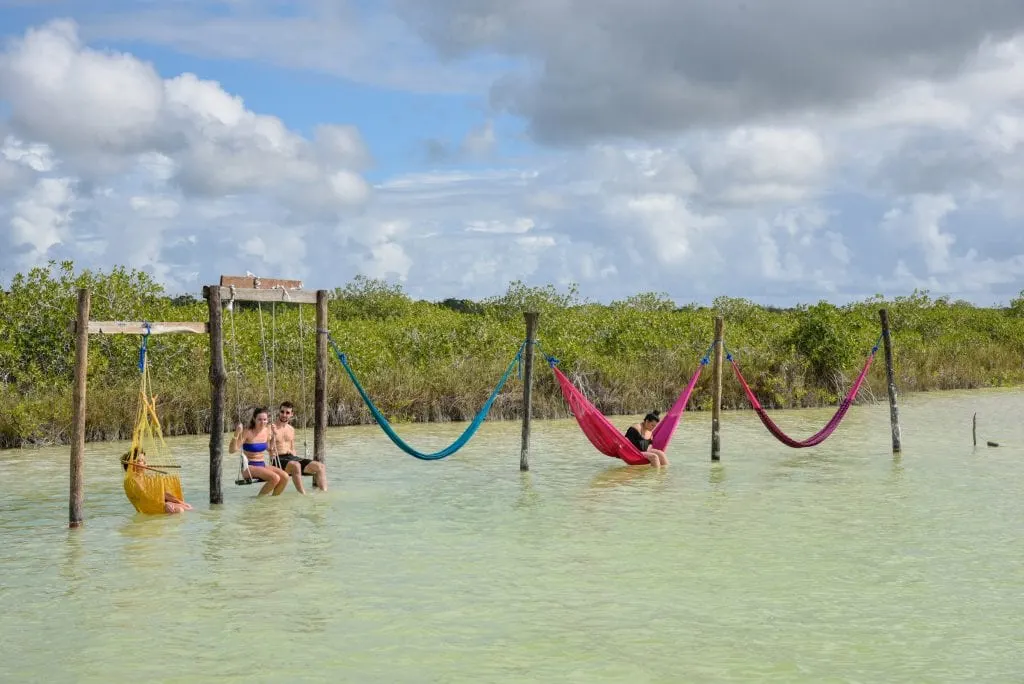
{"points": [[243, 479], [385, 425], [833, 423], [607, 438], [151, 471], [270, 290]]}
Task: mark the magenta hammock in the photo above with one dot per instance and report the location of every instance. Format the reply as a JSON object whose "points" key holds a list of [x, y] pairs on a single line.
{"points": [[830, 427], [606, 437]]}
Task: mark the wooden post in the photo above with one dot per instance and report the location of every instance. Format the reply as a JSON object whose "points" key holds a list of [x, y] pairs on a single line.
{"points": [[531, 337], [974, 429], [890, 374], [77, 495], [716, 399], [320, 390], [218, 391]]}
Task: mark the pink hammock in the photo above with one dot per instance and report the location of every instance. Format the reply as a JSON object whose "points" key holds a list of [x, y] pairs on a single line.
{"points": [[825, 432], [606, 437]]}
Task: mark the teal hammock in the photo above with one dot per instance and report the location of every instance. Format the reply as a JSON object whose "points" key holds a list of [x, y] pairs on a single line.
{"points": [[399, 442]]}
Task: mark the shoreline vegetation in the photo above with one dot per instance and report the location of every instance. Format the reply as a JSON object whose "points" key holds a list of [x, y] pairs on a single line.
{"points": [[438, 361]]}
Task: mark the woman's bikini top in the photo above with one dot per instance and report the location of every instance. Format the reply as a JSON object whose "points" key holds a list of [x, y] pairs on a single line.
{"points": [[254, 447]]}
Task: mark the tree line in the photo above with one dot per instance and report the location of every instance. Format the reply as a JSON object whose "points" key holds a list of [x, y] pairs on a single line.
{"points": [[438, 361]]}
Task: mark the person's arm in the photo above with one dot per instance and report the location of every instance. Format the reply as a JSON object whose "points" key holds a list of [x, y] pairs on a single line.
{"points": [[236, 439], [291, 441], [173, 499], [272, 446]]}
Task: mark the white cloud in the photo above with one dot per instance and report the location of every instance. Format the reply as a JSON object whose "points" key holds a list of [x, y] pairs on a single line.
{"points": [[39, 220], [480, 141], [911, 187], [105, 110], [519, 225], [920, 222], [153, 153]]}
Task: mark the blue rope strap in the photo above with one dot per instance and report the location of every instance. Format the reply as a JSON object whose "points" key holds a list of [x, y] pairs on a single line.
{"points": [[706, 359], [144, 347], [466, 435]]}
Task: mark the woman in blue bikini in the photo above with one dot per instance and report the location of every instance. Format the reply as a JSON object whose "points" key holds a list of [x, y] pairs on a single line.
{"points": [[256, 442]]}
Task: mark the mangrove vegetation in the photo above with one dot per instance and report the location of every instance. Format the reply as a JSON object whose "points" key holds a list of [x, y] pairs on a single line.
{"points": [[437, 361]]}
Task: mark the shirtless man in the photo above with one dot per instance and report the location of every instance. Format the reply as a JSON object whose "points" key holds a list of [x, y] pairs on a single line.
{"points": [[284, 448]]}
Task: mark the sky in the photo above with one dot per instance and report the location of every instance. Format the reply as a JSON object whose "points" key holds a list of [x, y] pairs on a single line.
{"points": [[784, 152]]}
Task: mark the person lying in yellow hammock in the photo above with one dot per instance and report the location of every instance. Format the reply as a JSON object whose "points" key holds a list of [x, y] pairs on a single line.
{"points": [[151, 493]]}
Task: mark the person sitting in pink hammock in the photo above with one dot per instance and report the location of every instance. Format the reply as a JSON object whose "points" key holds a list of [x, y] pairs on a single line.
{"points": [[641, 435]]}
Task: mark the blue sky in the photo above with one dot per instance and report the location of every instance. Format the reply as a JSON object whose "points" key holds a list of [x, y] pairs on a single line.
{"points": [[454, 147]]}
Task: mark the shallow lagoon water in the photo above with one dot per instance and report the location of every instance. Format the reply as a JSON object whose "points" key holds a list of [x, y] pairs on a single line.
{"points": [[833, 564]]}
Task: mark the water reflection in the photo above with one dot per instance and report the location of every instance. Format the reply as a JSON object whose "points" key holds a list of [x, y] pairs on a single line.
{"points": [[716, 477], [623, 475], [528, 496]]}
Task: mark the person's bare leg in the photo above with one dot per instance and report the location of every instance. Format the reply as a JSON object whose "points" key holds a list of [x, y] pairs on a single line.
{"points": [[267, 475], [652, 456], [282, 481], [662, 459], [319, 472], [295, 471]]}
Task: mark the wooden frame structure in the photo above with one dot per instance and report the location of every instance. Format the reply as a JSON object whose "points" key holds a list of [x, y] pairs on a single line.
{"points": [[231, 289], [83, 327], [253, 289]]}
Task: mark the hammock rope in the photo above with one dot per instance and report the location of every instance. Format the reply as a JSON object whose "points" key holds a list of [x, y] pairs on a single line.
{"points": [[146, 489], [302, 380], [833, 423], [460, 442], [607, 438], [234, 357]]}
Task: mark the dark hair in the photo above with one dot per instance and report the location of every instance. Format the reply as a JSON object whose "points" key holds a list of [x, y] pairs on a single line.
{"points": [[652, 417], [287, 405], [131, 456], [256, 411]]}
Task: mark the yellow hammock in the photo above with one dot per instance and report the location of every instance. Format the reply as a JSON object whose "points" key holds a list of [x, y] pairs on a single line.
{"points": [[151, 470]]}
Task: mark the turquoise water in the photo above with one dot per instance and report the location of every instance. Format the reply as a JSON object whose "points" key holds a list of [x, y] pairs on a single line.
{"points": [[834, 564]]}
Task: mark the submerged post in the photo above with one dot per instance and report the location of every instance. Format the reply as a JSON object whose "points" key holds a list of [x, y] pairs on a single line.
{"points": [[974, 429], [77, 492], [320, 391], [531, 337], [890, 374], [218, 391], [716, 398]]}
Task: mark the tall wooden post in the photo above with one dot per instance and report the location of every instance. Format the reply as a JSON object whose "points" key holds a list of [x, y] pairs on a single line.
{"points": [[320, 391], [531, 338], [716, 398], [890, 374], [77, 493], [218, 391]]}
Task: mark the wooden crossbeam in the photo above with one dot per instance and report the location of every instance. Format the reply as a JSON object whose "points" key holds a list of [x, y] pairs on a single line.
{"points": [[139, 328], [254, 283], [248, 294], [253, 289]]}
